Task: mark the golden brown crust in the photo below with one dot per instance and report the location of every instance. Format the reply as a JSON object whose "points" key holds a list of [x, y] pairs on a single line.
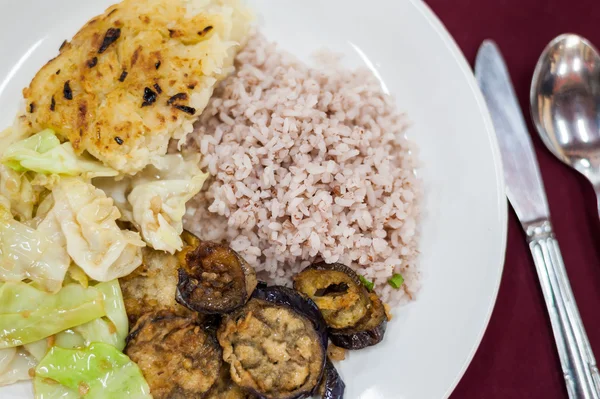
{"points": [[335, 353], [225, 388], [178, 357], [213, 279], [271, 350], [109, 65], [152, 286], [337, 291]]}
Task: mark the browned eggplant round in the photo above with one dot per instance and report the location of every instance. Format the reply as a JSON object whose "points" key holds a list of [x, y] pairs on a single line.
{"points": [[275, 344], [337, 291], [153, 286], [178, 357], [368, 332], [300, 303], [332, 385], [225, 388], [213, 278]]}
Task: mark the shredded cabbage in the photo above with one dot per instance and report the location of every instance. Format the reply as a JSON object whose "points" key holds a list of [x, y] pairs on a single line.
{"points": [[36, 251], [77, 221], [43, 153], [77, 275], [97, 372], [94, 241], [14, 185], [17, 188], [154, 199]]}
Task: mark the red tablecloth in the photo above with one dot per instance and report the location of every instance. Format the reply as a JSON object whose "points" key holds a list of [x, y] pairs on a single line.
{"points": [[517, 357]]}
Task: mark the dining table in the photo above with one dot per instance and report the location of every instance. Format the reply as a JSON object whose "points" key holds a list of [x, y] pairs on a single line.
{"points": [[517, 357]]}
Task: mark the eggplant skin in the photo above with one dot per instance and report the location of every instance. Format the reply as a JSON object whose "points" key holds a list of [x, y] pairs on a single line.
{"points": [[275, 350], [368, 332], [337, 291], [178, 357], [213, 278], [332, 385]]}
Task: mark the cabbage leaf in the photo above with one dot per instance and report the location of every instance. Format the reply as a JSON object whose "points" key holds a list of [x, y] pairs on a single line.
{"points": [[95, 242], [37, 253], [43, 153], [14, 185], [28, 314], [78, 222], [16, 361], [113, 328], [97, 372], [154, 200], [10, 136], [17, 188]]}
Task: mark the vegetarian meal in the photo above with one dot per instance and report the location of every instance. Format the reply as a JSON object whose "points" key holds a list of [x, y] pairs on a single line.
{"points": [[187, 211]]}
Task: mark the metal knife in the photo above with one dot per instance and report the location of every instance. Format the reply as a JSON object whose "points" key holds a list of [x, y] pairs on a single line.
{"points": [[525, 191]]}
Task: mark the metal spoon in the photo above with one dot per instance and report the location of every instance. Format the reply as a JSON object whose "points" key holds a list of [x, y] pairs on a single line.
{"points": [[565, 104]]}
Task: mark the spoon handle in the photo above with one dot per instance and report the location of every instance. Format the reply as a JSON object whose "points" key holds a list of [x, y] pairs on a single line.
{"points": [[576, 356]]}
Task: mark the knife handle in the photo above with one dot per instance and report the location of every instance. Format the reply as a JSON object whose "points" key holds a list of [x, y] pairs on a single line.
{"points": [[576, 356]]}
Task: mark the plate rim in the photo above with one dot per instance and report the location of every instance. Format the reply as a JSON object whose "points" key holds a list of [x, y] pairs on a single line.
{"points": [[437, 25], [496, 264]]}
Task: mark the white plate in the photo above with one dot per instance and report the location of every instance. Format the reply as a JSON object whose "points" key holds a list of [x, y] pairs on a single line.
{"points": [[430, 342]]}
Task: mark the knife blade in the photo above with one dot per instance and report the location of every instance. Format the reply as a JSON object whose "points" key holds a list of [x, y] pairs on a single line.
{"points": [[524, 186], [525, 191]]}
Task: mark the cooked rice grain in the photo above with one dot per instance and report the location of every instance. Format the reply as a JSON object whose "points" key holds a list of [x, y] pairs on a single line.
{"points": [[308, 163]]}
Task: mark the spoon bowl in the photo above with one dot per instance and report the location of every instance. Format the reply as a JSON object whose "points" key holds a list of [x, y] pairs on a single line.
{"points": [[565, 103]]}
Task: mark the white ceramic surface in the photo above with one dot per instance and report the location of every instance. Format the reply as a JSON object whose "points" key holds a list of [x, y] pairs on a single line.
{"points": [[430, 342]]}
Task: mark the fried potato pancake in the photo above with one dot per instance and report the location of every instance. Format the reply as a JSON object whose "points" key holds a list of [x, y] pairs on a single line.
{"points": [[135, 77]]}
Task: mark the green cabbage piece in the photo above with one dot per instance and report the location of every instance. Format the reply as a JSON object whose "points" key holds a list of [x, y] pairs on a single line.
{"points": [[99, 371], [113, 328], [43, 153], [51, 390], [69, 339], [28, 314], [15, 362]]}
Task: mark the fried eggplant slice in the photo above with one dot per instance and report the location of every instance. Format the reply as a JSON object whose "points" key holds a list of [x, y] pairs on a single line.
{"points": [[332, 385], [152, 286], [225, 388], [368, 332], [337, 291], [213, 278], [300, 303], [276, 344], [178, 357]]}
